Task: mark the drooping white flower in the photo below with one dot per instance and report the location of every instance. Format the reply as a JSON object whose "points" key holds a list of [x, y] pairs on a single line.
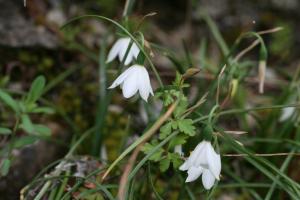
{"points": [[134, 79], [286, 113], [203, 160], [119, 49]]}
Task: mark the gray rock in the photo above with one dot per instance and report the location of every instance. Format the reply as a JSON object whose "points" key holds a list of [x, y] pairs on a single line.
{"points": [[17, 30]]}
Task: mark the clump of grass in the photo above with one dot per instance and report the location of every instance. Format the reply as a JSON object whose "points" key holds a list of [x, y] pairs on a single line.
{"points": [[242, 123]]}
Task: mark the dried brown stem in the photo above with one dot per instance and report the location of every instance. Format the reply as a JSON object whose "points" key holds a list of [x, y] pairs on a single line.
{"points": [[127, 170], [147, 135], [262, 154], [132, 159]]}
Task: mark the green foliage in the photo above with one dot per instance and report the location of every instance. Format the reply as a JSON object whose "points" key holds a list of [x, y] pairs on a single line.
{"points": [[157, 155], [5, 131], [5, 165], [23, 107], [9, 101], [165, 130], [180, 139], [186, 126], [178, 122], [36, 90], [175, 159], [181, 107], [168, 95], [24, 141], [164, 164], [163, 157], [229, 109]]}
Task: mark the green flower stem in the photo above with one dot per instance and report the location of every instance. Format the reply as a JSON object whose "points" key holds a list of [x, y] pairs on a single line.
{"points": [[127, 33], [128, 7], [208, 130]]}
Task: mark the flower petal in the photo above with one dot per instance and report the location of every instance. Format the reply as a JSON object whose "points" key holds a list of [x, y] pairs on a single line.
{"points": [[208, 179], [214, 161], [194, 173], [185, 166], [123, 48], [121, 78], [144, 84], [129, 58], [130, 85], [114, 51], [135, 50], [198, 156]]}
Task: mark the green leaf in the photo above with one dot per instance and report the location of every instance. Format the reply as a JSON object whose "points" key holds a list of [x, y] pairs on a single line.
{"points": [[174, 124], [5, 131], [42, 130], [178, 140], [8, 100], [36, 129], [178, 79], [36, 89], [157, 156], [167, 99], [27, 124], [45, 110], [165, 130], [164, 164], [176, 159], [5, 165], [186, 126], [24, 141], [182, 106]]}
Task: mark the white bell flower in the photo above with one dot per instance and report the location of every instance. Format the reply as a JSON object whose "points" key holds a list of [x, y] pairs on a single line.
{"points": [[119, 49], [134, 79], [203, 160]]}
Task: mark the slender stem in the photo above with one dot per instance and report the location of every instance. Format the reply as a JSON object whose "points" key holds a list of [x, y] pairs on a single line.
{"points": [[68, 155], [263, 154], [127, 170], [235, 111], [127, 33], [13, 135], [83, 137], [128, 7], [43, 190]]}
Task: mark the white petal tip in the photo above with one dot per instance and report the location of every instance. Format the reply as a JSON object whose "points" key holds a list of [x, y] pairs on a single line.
{"points": [[207, 188], [190, 179], [181, 168]]}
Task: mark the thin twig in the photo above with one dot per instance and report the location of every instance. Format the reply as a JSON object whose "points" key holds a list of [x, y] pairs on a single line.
{"points": [[273, 30], [218, 86], [194, 107], [246, 50], [262, 154], [127, 170]]}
